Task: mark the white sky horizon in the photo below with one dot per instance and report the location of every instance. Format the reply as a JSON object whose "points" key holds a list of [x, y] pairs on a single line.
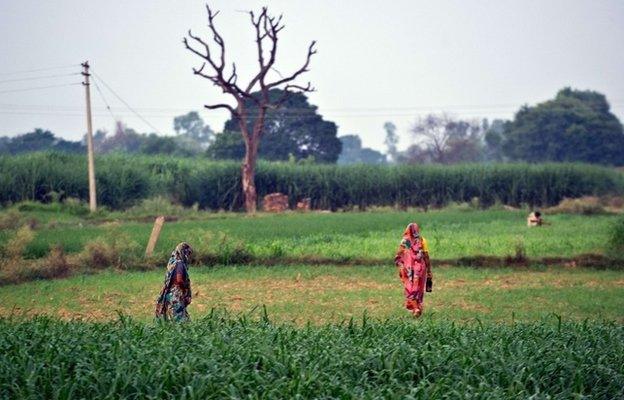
{"points": [[376, 61]]}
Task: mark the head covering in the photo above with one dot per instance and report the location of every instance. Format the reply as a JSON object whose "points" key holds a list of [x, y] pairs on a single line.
{"points": [[412, 232], [410, 235], [183, 252]]}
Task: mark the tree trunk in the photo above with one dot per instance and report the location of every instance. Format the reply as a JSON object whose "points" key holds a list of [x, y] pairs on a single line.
{"points": [[249, 175]]}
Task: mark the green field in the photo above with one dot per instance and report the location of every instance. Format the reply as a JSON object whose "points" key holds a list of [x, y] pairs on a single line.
{"points": [[322, 294], [372, 235], [302, 330], [251, 358]]}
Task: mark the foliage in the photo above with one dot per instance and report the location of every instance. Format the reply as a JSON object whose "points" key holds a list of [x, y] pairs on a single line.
{"points": [[154, 144], [191, 128], [354, 153], [12, 219], [218, 248], [156, 206], [227, 146], [575, 126], [586, 205], [124, 180], [14, 248], [39, 140], [616, 241], [222, 356], [494, 140], [113, 249], [293, 128], [127, 140]]}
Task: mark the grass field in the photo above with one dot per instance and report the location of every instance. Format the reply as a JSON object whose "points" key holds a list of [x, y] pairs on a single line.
{"points": [[338, 236], [322, 294], [320, 331]]}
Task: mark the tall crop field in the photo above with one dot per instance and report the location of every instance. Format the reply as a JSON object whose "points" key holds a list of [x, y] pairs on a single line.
{"points": [[124, 179], [222, 357]]}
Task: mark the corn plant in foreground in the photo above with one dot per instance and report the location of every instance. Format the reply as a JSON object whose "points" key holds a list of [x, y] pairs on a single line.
{"points": [[225, 357]]}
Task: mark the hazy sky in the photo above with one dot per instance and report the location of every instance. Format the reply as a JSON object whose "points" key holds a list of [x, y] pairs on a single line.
{"points": [[377, 61]]}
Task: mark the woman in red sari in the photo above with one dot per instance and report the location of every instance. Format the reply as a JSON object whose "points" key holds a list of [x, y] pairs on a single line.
{"points": [[414, 265]]}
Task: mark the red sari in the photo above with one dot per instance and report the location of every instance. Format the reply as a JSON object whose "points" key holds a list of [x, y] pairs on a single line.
{"points": [[412, 259]]}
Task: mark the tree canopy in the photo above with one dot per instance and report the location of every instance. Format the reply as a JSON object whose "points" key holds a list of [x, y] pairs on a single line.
{"points": [[38, 140], [295, 128], [354, 153], [576, 125], [192, 131]]}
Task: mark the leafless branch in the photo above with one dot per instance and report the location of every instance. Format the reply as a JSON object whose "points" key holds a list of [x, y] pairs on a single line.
{"points": [[217, 106], [304, 68], [266, 29], [227, 85]]}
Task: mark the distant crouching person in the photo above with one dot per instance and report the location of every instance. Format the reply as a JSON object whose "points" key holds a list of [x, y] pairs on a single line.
{"points": [[535, 219], [175, 295]]}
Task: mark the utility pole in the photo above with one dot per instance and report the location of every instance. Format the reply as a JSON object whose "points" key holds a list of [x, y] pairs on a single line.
{"points": [[90, 156]]}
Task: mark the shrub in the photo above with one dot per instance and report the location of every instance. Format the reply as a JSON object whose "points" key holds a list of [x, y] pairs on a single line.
{"points": [[115, 249], [218, 248], [586, 205], [14, 248], [10, 219], [153, 206], [616, 241], [55, 264]]}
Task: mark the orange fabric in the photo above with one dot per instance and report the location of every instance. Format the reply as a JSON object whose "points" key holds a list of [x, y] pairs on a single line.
{"points": [[412, 259]]}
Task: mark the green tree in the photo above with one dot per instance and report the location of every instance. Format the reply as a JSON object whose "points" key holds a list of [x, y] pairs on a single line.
{"points": [[575, 126], [227, 146], [354, 153], [40, 140], [295, 128], [494, 140], [192, 129], [154, 144]]}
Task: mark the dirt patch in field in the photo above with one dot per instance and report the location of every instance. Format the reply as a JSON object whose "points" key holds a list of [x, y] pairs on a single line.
{"points": [[475, 307], [317, 284]]}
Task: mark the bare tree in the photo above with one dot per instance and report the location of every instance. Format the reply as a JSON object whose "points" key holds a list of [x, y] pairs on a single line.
{"points": [[443, 139], [213, 68]]}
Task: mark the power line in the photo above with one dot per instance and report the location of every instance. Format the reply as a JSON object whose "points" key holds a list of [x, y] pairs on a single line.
{"points": [[38, 87], [125, 103], [25, 71], [268, 118], [38, 77], [97, 87], [299, 111]]}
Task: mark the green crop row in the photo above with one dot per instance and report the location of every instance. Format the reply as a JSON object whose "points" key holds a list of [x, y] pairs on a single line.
{"points": [[225, 357], [124, 179]]}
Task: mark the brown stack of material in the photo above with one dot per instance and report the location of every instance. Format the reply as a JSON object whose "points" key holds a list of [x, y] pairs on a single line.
{"points": [[275, 202], [304, 205]]}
